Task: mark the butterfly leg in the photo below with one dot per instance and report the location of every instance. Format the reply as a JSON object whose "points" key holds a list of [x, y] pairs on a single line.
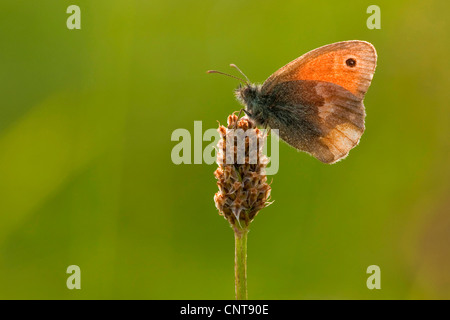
{"points": [[267, 131], [248, 114], [239, 115]]}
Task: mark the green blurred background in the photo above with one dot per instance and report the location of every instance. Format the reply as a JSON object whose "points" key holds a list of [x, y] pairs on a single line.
{"points": [[86, 176]]}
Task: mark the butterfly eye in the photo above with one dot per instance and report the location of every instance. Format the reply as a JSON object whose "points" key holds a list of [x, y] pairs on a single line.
{"points": [[350, 62]]}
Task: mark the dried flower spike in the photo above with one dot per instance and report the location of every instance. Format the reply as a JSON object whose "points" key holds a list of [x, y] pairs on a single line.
{"points": [[243, 187]]}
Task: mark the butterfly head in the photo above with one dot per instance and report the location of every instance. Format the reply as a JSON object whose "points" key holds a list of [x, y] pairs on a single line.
{"points": [[244, 93], [247, 94]]}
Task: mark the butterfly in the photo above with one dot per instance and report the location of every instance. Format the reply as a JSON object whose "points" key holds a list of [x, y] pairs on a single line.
{"points": [[316, 100]]}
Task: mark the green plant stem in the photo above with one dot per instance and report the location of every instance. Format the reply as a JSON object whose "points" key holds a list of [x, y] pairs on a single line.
{"points": [[240, 263]]}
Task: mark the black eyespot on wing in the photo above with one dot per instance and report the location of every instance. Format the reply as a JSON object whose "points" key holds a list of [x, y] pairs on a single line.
{"points": [[350, 62]]}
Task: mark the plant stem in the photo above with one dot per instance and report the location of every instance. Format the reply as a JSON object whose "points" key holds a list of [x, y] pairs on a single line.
{"points": [[240, 263]]}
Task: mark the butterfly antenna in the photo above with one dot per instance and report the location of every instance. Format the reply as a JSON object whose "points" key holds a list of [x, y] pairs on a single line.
{"points": [[226, 74], [235, 66]]}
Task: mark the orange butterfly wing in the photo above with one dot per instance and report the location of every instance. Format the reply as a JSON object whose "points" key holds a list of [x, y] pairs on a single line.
{"points": [[340, 74], [332, 63]]}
